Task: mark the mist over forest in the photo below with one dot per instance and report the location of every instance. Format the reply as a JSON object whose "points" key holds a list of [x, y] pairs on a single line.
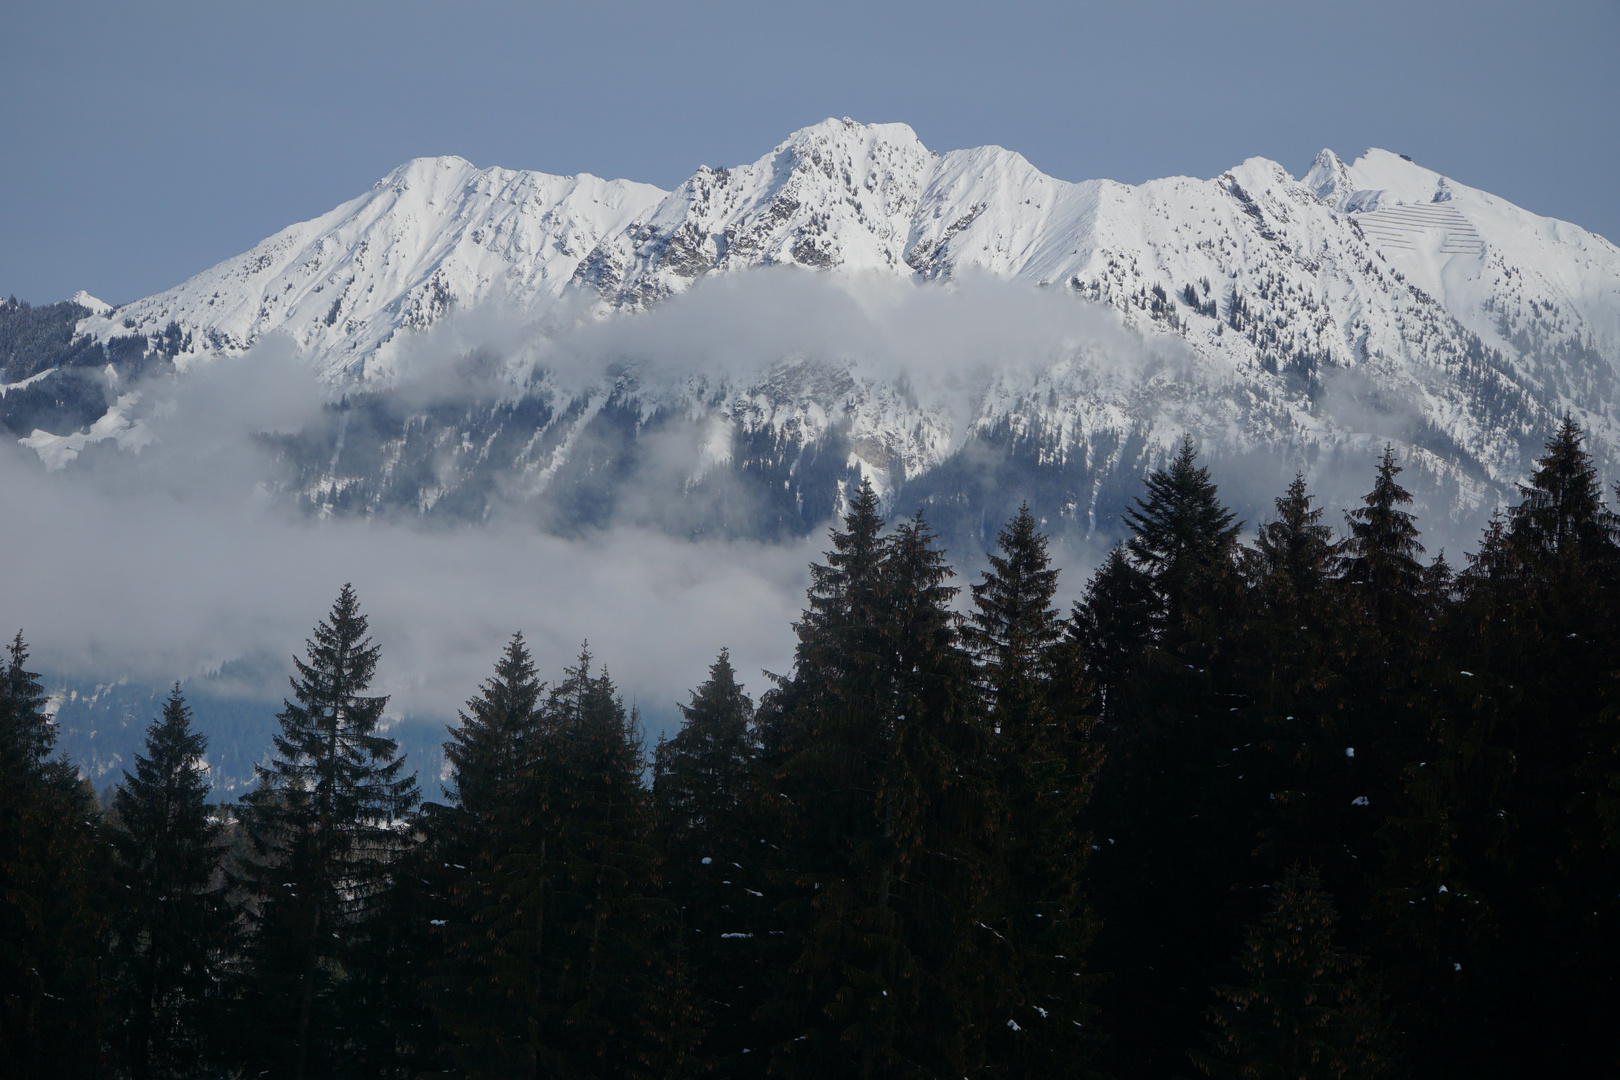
{"points": [[229, 497], [1361, 796], [1181, 749]]}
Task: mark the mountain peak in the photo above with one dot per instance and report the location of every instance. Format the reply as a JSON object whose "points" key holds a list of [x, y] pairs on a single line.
{"points": [[853, 132], [1292, 302], [1327, 178], [85, 300], [439, 233], [422, 169]]}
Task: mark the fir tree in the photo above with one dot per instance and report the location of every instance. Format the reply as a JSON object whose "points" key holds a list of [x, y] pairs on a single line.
{"points": [[838, 630], [1562, 516], [622, 1006], [1304, 1011], [1296, 551], [1299, 741], [488, 751], [566, 961], [52, 877], [1508, 812], [172, 925], [489, 845], [1380, 558], [322, 830], [480, 846], [1111, 627], [1395, 608], [26, 735], [713, 871], [1014, 630], [822, 731], [882, 819], [1172, 815], [701, 775], [823, 734], [1038, 709], [1181, 535]]}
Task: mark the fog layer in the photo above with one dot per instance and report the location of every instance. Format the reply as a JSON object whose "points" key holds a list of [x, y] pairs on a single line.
{"points": [[159, 554]]}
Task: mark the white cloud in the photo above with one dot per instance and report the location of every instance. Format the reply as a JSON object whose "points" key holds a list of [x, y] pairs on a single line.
{"points": [[170, 561]]}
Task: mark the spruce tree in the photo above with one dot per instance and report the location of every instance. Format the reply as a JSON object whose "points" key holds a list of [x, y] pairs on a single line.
{"points": [[1380, 555], [1396, 609], [565, 960], [1014, 630], [838, 631], [1299, 742], [1511, 965], [488, 751], [621, 1003], [823, 732], [1172, 815], [323, 829], [936, 800], [26, 736], [1304, 1011], [882, 788], [1038, 709], [1181, 535], [1562, 515], [1111, 627], [701, 775], [52, 879], [171, 926], [713, 865], [1296, 551], [487, 844]]}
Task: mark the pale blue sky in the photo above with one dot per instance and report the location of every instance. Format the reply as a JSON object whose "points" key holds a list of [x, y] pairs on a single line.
{"points": [[140, 143]]}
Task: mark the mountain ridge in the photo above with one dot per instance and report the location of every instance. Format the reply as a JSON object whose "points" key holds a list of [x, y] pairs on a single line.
{"points": [[636, 243], [1363, 302]]}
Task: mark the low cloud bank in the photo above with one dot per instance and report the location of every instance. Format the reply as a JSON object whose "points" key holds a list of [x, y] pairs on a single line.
{"points": [[167, 559], [152, 585], [738, 326]]}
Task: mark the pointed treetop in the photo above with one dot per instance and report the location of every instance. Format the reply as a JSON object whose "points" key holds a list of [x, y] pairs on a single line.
{"points": [[1563, 508], [1383, 546], [485, 750], [26, 734], [1296, 543], [862, 523], [1180, 530], [1013, 604], [721, 674], [170, 775]]}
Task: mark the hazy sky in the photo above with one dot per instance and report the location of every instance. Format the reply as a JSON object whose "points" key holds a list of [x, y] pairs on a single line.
{"points": [[140, 143]]}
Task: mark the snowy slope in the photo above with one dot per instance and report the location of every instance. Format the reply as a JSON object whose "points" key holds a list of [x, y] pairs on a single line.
{"points": [[433, 233], [1327, 313]]}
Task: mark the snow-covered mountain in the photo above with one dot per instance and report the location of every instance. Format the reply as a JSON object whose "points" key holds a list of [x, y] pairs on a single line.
{"points": [[432, 234], [1297, 322]]}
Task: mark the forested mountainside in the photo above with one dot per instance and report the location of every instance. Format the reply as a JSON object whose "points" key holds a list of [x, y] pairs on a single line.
{"points": [[1277, 320]]}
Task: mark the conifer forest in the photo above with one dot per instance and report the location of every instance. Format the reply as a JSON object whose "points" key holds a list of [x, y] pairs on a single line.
{"points": [[1299, 801]]}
